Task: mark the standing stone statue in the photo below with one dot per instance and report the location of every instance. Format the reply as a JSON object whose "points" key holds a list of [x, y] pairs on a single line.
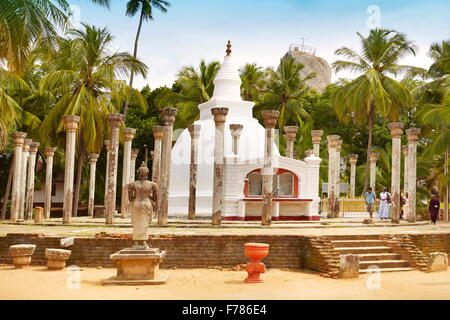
{"points": [[142, 196]]}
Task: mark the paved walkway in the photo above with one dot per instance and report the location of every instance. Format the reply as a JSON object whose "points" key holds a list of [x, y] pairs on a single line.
{"points": [[88, 227]]}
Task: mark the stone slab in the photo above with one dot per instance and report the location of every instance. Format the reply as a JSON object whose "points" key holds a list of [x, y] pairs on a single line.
{"points": [[349, 266]]}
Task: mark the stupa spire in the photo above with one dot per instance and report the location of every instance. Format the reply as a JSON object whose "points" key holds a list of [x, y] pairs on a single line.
{"points": [[228, 48]]}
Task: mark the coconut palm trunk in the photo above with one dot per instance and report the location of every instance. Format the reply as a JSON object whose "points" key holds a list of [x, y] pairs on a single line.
{"points": [[76, 194], [447, 194], [136, 42], [369, 145]]}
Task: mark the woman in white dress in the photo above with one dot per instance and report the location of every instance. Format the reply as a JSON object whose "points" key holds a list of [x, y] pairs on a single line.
{"points": [[385, 202]]}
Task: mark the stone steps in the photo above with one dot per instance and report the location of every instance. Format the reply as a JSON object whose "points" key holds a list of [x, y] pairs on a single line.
{"points": [[357, 243], [379, 256], [364, 250], [382, 264], [387, 270]]}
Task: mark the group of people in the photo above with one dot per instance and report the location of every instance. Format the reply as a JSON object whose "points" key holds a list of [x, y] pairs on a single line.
{"points": [[386, 200]]}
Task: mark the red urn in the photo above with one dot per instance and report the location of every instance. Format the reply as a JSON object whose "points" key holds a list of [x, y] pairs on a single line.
{"points": [[256, 252]]}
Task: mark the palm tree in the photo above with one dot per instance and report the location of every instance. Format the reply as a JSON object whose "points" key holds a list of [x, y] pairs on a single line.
{"points": [[373, 92], [83, 78], [192, 88], [286, 92], [253, 82], [145, 7]]}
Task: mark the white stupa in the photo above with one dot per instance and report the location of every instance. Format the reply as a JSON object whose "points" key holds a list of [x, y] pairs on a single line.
{"points": [[227, 94]]}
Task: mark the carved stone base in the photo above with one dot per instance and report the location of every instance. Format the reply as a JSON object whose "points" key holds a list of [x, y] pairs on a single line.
{"points": [[137, 266]]}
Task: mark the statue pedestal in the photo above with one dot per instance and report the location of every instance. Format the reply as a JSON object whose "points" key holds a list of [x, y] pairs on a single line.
{"points": [[137, 266]]}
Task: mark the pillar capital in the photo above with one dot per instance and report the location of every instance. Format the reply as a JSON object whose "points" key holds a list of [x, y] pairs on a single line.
{"points": [[339, 145], [134, 153], [194, 130], [413, 134], [19, 138], [157, 132], [396, 129], [107, 144], [26, 145], [374, 156], [219, 114], [50, 151], [71, 122], [128, 134], [290, 132], [168, 116], [270, 118], [317, 134], [236, 129], [115, 119], [93, 157], [333, 141], [405, 150], [353, 158], [34, 146]]}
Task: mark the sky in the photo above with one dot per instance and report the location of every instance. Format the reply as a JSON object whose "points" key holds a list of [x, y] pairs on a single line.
{"points": [[261, 31]]}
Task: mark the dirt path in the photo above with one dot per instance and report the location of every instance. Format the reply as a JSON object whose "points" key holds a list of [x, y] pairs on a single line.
{"points": [[39, 283]]}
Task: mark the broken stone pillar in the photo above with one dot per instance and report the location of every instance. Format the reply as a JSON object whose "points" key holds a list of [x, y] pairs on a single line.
{"points": [[128, 136], [220, 115], [309, 152], [19, 139], [49, 152], [236, 130], [158, 133], [316, 137], [23, 176], [353, 159], [405, 168], [134, 154], [270, 118], [290, 133], [93, 157], [30, 181], [194, 130], [71, 126], [115, 120], [413, 137], [107, 170], [167, 118], [396, 129], [437, 261], [373, 157], [333, 141], [38, 213], [349, 266]]}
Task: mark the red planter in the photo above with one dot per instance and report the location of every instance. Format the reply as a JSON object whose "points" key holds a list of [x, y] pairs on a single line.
{"points": [[256, 252]]}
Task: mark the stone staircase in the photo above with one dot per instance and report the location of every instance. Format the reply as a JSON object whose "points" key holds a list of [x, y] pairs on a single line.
{"points": [[371, 252]]}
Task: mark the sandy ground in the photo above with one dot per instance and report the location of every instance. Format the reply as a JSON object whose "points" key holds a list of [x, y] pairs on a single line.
{"points": [[196, 284]]}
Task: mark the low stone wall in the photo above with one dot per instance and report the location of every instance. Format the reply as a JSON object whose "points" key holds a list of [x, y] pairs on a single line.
{"points": [[193, 251]]}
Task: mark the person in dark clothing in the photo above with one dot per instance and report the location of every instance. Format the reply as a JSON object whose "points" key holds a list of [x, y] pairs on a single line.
{"points": [[433, 208]]}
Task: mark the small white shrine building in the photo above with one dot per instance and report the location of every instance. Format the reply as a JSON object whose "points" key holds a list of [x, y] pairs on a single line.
{"points": [[296, 181]]}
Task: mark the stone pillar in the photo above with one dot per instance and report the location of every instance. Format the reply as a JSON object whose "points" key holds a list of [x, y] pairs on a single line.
{"points": [[270, 118], [49, 152], [167, 118], [413, 137], [396, 129], [338, 169], [134, 154], [236, 130], [115, 120], [316, 137], [71, 126], [19, 139], [93, 157], [156, 160], [23, 176], [30, 181], [353, 159], [290, 132], [373, 157], [128, 136], [220, 115], [194, 130], [405, 169], [332, 145], [106, 172]]}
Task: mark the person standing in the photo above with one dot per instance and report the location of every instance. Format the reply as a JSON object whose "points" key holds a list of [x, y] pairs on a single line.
{"points": [[385, 202], [369, 197], [433, 208], [403, 197]]}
